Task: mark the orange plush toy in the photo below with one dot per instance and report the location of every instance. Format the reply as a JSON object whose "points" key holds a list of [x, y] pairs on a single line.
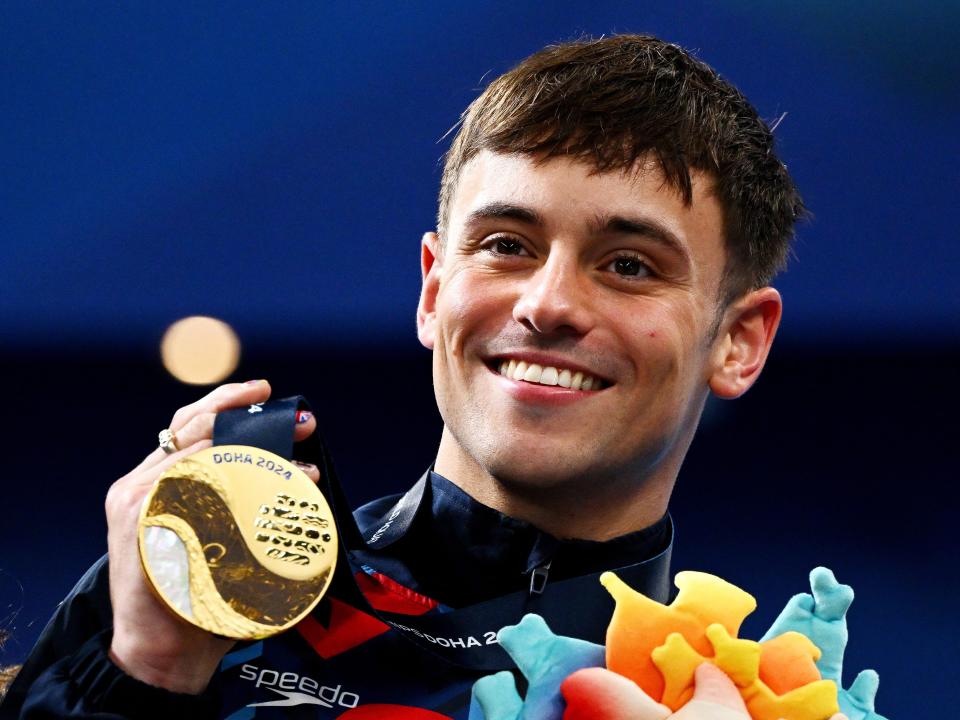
{"points": [[659, 647]]}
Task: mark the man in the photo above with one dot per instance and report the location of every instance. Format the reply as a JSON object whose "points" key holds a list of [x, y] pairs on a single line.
{"points": [[611, 214]]}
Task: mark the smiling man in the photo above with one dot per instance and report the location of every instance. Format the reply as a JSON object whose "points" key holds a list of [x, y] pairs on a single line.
{"points": [[578, 321], [611, 215]]}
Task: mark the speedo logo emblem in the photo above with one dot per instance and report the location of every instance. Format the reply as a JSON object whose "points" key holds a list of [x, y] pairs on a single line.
{"points": [[297, 689]]}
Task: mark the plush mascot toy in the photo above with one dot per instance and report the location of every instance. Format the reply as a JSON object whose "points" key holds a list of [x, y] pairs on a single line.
{"points": [[684, 661]]}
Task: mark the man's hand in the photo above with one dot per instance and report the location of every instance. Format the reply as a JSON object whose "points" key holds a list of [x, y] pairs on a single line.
{"points": [[598, 694], [150, 643]]}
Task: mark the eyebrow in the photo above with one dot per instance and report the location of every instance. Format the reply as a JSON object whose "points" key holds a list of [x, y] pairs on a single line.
{"points": [[601, 225], [502, 210], [619, 225]]}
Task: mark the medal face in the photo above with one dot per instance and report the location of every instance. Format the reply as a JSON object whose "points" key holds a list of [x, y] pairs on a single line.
{"points": [[237, 541]]}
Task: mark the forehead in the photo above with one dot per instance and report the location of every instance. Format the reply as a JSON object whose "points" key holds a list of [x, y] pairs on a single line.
{"points": [[569, 195]]}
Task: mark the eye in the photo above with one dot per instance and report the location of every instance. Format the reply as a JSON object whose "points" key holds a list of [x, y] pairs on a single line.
{"points": [[629, 266], [504, 245]]}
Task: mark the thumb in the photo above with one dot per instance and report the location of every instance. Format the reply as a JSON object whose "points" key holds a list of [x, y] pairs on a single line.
{"points": [[714, 698], [713, 686]]}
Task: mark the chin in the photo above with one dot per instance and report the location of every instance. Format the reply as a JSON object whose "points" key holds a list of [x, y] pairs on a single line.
{"points": [[542, 469]]}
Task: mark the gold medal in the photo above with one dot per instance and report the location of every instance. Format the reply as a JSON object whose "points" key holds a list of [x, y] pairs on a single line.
{"points": [[237, 541]]}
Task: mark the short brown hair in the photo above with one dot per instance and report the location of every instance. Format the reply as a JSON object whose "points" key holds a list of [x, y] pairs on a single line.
{"points": [[618, 99]]}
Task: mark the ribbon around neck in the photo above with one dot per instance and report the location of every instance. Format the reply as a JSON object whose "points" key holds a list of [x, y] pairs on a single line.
{"points": [[576, 607]]}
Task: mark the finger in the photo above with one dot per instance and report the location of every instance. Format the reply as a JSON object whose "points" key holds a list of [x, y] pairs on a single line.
{"points": [[149, 475], [199, 428], [171, 460], [700, 710], [713, 686], [839, 716], [305, 425], [126, 494], [221, 398], [309, 469], [599, 694]]}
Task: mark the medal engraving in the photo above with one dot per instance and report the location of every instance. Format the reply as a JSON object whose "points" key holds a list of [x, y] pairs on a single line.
{"points": [[237, 541], [294, 528]]}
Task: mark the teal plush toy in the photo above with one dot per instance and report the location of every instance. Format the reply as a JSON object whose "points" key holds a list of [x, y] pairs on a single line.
{"points": [[545, 660], [822, 617]]}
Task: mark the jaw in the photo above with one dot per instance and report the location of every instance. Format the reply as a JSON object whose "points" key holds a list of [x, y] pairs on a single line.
{"points": [[534, 433], [549, 434], [563, 466]]}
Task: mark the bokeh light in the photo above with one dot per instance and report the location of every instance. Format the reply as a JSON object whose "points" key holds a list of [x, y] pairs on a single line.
{"points": [[200, 350]]}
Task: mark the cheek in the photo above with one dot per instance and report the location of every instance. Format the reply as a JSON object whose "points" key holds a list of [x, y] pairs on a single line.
{"points": [[652, 338], [470, 311], [662, 341]]}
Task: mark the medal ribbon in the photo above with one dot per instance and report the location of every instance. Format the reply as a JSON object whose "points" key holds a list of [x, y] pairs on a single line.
{"points": [[576, 607]]}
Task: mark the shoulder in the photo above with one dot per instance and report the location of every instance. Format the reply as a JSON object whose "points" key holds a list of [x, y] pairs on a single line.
{"points": [[82, 614]]}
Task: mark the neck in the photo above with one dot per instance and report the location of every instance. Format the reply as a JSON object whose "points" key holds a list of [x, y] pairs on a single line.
{"points": [[586, 508]]}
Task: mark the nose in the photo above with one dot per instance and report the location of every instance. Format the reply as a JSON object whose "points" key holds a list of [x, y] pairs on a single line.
{"points": [[554, 299]]}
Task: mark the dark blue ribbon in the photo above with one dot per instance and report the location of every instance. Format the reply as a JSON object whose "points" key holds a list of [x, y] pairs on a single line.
{"points": [[576, 607]]}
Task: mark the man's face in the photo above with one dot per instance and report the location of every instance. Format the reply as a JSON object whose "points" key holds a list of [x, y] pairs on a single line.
{"points": [[577, 275]]}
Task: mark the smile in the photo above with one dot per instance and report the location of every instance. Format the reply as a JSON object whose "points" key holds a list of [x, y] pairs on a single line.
{"points": [[549, 375]]}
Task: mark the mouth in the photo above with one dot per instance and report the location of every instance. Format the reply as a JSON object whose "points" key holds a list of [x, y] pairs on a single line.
{"points": [[550, 375]]}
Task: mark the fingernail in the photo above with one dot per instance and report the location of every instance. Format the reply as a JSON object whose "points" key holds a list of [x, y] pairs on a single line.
{"points": [[303, 465], [303, 416], [252, 382]]}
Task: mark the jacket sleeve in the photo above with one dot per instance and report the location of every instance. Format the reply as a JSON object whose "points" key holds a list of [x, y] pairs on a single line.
{"points": [[88, 685], [69, 673]]}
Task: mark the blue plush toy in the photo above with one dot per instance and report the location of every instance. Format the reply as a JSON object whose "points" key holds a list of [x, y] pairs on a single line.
{"points": [[822, 617], [545, 660]]}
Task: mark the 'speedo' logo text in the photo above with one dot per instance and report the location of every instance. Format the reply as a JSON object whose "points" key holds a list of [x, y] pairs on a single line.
{"points": [[297, 689]]}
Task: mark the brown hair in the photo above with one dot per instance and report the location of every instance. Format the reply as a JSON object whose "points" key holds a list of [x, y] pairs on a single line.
{"points": [[618, 99]]}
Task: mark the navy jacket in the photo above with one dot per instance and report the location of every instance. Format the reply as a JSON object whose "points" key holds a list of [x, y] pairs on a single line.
{"points": [[408, 647]]}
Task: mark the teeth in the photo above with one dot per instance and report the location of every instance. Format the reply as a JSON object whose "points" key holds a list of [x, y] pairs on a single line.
{"points": [[520, 370], [548, 375], [533, 373]]}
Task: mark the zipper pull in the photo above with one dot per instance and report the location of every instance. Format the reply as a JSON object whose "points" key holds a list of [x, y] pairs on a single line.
{"points": [[538, 578]]}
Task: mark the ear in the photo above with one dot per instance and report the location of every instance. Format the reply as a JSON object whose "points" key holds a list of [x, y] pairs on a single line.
{"points": [[430, 267], [743, 343]]}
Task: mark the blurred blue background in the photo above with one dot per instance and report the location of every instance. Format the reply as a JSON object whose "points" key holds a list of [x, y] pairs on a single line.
{"points": [[274, 165]]}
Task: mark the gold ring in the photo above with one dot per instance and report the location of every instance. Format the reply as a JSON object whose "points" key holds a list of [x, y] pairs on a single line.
{"points": [[168, 441]]}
